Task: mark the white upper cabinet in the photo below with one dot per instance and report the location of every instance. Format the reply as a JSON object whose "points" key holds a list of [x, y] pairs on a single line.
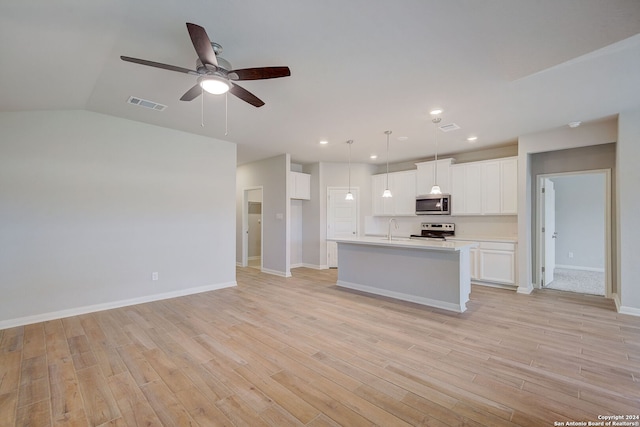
{"points": [[426, 174], [491, 188], [403, 188], [300, 185], [466, 189], [485, 188], [509, 186]]}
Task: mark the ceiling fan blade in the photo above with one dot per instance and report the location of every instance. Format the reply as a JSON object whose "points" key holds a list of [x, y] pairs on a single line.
{"points": [[158, 65], [192, 93], [202, 44], [245, 95], [260, 73]]}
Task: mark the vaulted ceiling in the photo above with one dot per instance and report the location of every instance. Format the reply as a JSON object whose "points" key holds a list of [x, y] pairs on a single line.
{"points": [[498, 68]]}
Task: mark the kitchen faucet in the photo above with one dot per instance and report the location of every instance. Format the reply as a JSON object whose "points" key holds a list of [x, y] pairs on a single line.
{"points": [[389, 236]]}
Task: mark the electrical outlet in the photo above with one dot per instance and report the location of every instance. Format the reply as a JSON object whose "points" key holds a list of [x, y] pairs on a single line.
{"points": [[570, 254], [154, 275]]}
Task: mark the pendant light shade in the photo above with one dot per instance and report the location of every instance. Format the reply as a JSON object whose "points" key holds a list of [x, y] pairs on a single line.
{"points": [[387, 192], [436, 188], [349, 195]]}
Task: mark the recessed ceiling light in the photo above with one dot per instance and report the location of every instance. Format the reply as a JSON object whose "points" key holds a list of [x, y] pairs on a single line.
{"points": [[403, 138], [435, 111], [472, 139], [575, 124], [373, 156], [324, 142]]}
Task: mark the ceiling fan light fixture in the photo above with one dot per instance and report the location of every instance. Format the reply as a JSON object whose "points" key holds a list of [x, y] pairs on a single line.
{"points": [[215, 85]]}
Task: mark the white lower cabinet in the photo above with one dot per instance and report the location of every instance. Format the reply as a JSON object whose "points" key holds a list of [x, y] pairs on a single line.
{"points": [[497, 262], [493, 263]]}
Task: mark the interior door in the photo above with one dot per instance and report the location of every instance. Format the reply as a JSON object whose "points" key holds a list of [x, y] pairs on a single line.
{"points": [[549, 234], [342, 220]]}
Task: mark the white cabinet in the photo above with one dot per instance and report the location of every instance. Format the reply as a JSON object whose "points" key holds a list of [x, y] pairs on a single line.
{"points": [[426, 173], [509, 185], [491, 188], [381, 205], [300, 185], [493, 263], [466, 195], [497, 262], [403, 189], [485, 188]]}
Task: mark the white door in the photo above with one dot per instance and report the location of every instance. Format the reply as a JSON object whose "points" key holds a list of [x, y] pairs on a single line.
{"points": [[342, 219], [549, 234]]}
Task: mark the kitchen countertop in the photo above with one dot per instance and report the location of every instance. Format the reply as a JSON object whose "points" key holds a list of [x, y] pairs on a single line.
{"points": [[405, 242], [480, 238]]}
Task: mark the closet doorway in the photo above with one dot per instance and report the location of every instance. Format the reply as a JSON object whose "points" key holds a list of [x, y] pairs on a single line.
{"points": [[574, 232], [252, 228]]}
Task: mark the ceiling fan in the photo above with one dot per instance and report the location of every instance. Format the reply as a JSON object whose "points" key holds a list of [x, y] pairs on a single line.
{"points": [[214, 73]]}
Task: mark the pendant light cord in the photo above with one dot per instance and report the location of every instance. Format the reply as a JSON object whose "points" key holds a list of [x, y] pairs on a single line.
{"points": [[388, 132], [350, 142], [435, 121]]}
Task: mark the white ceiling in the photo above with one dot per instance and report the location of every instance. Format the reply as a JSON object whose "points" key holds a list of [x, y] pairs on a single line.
{"points": [[498, 68]]}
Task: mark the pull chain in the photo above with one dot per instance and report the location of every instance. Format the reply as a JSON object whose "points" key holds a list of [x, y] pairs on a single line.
{"points": [[201, 107], [226, 114]]}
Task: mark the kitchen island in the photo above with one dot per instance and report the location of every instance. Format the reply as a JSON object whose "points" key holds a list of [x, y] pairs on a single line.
{"points": [[432, 273]]}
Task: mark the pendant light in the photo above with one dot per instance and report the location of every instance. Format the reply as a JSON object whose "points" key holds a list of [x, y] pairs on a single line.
{"points": [[436, 188], [349, 195], [387, 192]]}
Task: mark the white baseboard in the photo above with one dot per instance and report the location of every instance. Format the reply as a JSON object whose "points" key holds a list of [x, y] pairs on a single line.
{"points": [[495, 285], [297, 265], [633, 311], [401, 296], [276, 272], [315, 266], [525, 290], [27, 320], [253, 258], [577, 267]]}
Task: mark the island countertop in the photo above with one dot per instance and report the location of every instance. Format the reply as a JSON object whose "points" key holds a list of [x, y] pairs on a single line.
{"points": [[405, 242]]}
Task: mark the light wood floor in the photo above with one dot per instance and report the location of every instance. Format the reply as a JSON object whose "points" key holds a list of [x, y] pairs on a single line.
{"points": [[300, 351]]}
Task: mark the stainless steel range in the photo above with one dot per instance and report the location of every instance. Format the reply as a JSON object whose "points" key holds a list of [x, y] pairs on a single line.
{"points": [[435, 231]]}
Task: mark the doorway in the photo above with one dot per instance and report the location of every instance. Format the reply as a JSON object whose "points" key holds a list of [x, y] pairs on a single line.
{"points": [[573, 232], [252, 228], [342, 219]]}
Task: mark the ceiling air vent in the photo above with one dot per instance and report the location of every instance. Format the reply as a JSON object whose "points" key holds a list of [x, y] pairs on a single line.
{"points": [[449, 127], [146, 103]]}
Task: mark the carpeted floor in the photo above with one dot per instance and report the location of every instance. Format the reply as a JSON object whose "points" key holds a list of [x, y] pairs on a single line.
{"points": [[581, 281]]}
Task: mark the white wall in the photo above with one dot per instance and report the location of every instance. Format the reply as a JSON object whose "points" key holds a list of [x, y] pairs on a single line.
{"points": [[311, 232], [272, 175], [91, 205], [580, 221], [628, 204], [540, 153], [296, 232]]}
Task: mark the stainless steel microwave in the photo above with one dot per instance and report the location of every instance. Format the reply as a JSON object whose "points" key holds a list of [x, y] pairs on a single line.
{"points": [[433, 204]]}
